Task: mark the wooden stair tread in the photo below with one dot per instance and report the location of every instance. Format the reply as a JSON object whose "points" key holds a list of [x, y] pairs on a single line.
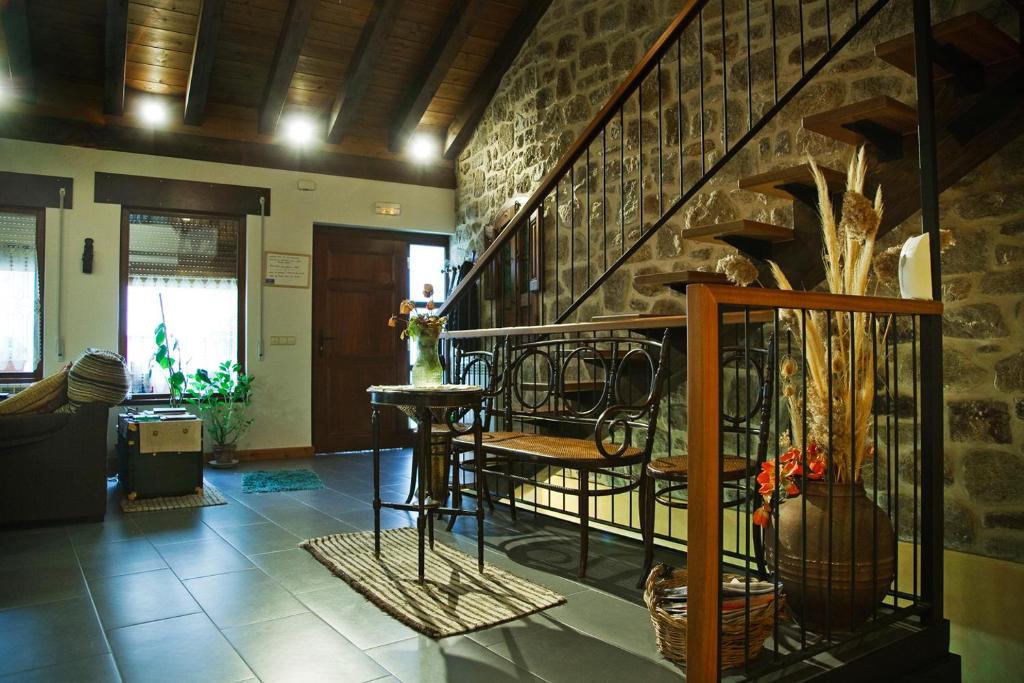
{"points": [[883, 111], [971, 34], [742, 228], [679, 279], [772, 182]]}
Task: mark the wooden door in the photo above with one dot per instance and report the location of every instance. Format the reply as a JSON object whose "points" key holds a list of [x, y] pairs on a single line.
{"points": [[359, 278]]}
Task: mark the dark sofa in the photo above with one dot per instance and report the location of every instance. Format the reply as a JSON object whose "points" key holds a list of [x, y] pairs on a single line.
{"points": [[53, 467]]}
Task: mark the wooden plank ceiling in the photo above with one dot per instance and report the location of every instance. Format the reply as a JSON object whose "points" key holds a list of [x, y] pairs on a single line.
{"points": [[369, 73]]}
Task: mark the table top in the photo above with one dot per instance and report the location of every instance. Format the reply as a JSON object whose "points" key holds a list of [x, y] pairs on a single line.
{"points": [[433, 396]]}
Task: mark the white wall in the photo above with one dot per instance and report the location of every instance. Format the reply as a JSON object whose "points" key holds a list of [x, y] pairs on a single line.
{"points": [[283, 383]]}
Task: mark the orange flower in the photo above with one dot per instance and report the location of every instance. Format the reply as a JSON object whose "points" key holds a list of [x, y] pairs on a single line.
{"points": [[762, 515], [392, 321], [431, 305], [406, 307]]}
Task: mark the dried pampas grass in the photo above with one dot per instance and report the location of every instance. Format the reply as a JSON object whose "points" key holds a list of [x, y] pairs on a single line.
{"points": [[840, 382]]}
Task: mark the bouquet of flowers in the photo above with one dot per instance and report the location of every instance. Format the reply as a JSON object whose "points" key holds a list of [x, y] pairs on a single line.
{"points": [[419, 324]]}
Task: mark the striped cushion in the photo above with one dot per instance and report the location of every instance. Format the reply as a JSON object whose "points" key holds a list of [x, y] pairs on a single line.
{"points": [[98, 376], [44, 396]]}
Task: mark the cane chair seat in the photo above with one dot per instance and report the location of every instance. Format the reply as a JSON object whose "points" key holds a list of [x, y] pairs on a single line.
{"points": [[676, 468], [579, 452]]}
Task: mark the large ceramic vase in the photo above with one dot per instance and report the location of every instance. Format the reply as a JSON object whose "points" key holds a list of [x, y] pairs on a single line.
{"points": [[427, 368], [840, 590]]}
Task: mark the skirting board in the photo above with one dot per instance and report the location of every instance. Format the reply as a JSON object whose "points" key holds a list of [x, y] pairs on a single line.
{"points": [[287, 453]]}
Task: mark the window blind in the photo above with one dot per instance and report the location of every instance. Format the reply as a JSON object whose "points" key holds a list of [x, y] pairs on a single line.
{"points": [[182, 247]]}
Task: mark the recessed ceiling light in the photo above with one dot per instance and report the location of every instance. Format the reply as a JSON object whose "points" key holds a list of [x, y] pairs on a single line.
{"points": [[423, 147], [153, 111], [299, 130]]}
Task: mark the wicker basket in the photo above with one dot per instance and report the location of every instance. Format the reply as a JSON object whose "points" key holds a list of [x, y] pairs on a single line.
{"points": [[670, 629]]}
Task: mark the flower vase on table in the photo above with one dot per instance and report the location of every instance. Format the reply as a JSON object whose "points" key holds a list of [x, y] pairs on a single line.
{"points": [[427, 369], [424, 330]]}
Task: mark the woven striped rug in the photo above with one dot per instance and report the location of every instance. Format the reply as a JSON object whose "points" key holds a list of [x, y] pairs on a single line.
{"points": [[453, 598], [209, 496]]}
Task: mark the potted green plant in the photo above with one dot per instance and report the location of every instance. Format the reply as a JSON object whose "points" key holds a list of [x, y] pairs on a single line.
{"points": [[166, 345], [222, 398]]}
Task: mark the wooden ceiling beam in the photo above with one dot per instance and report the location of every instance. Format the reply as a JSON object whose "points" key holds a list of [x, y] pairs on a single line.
{"points": [[286, 57], [211, 13], [115, 50], [372, 43], [461, 129], [14, 22], [442, 54], [185, 145]]}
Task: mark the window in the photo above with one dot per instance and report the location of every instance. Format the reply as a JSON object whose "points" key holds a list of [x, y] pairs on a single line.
{"points": [[426, 266], [189, 271], [21, 306]]}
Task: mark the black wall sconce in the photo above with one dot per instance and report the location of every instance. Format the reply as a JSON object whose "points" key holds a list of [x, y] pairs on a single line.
{"points": [[87, 256]]}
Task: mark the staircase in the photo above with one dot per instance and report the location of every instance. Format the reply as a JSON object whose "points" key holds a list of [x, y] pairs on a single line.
{"points": [[610, 192], [641, 161]]}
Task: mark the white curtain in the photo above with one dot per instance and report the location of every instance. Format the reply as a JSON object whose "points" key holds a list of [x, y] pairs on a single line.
{"points": [[20, 306], [202, 314]]}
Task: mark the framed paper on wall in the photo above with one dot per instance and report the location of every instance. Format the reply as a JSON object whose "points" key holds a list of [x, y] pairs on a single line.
{"points": [[283, 269]]}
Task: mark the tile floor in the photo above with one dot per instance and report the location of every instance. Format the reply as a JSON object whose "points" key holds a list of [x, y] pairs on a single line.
{"points": [[223, 594]]}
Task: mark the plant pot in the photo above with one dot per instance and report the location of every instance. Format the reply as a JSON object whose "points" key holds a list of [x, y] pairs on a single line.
{"points": [[427, 369], [224, 456], [861, 564]]}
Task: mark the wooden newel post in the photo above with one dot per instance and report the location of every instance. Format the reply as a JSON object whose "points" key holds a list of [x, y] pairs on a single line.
{"points": [[704, 520]]}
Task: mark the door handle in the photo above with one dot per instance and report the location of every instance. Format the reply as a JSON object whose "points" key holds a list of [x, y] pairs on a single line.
{"points": [[323, 339]]}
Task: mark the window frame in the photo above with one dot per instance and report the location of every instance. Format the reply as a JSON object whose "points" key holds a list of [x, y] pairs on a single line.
{"points": [[40, 213], [122, 314]]}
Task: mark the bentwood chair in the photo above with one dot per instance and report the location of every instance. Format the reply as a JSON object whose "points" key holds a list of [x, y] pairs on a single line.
{"points": [[748, 390], [608, 388]]}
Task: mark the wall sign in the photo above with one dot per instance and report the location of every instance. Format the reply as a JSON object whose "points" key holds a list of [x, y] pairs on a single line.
{"points": [[282, 269]]}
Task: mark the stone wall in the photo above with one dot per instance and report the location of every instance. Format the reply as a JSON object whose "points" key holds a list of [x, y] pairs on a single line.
{"points": [[582, 50]]}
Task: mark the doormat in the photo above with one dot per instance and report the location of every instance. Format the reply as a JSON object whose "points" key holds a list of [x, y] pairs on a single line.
{"points": [[264, 481], [454, 597], [208, 496]]}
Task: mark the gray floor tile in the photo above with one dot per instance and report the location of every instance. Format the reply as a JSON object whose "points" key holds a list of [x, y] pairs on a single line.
{"points": [[203, 558], [50, 633], [230, 515], [560, 654], [296, 570], [245, 597], [36, 548], [137, 598], [329, 501], [276, 650], [96, 669], [173, 526], [254, 539], [111, 529], [121, 557], [610, 619], [453, 660], [188, 648], [355, 617], [362, 519], [310, 523], [45, 583]]}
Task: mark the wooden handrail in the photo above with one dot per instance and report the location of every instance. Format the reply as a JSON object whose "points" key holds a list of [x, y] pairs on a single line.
{"points": [[824, 301], [637, 322], [689, 11]]}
